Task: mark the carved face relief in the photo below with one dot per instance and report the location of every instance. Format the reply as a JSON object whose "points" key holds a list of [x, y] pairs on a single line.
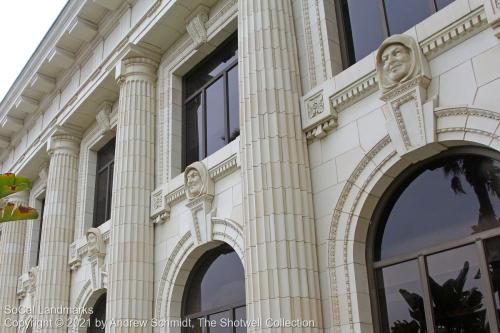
{"points": [[197, 182], [91, 239], [397, 61], [95, 244], [194, 182], [400, 60]]}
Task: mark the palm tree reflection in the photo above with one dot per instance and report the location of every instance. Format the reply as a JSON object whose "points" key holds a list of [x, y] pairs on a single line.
{"points": [[455, 310], [484, 177]]}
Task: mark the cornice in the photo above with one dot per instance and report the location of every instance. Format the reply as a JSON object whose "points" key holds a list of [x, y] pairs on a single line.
{"points": [[455, 33], [41, 52]]}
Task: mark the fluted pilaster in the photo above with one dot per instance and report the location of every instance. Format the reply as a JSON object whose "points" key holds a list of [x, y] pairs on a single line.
{"points": [[130, 289], [11, 263], [281, 255], [53, 277]]}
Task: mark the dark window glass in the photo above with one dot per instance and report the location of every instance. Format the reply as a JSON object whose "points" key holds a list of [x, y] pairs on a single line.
{"points": [[216, 127], [440, 4], [104, 183], [234, 103], [363, 25], [221, 319], [240, 315], [450, 199], [437, 258], [195, 142], [98, 316], [40, 225], [217, 283], [211, 104], [402, 15], [216, 291], [493, 258], [457, 294], [401, 294], [212, 66]]}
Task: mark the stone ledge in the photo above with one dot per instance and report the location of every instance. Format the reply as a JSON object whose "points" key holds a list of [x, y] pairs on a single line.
{"points": [[220, 164], [321, 105], [78, 249]]}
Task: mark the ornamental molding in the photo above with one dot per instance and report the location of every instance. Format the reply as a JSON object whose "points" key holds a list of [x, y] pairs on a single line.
{"points": [[492, 9], [320, 111], [229, 7], [403, 76], [163, 198], [354, 207], [93, 251], [26, 284], [455, 33], [103, 118], [195, 26], [223, 230], [367, 84]]}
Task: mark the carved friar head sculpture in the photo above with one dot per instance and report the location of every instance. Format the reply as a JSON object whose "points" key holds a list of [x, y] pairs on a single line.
{"points": [[399, 60], [95, 243], [197, 181]]}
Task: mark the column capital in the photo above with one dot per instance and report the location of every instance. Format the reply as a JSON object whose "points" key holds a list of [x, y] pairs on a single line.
{"points": [[137, 67], [63, 143]]}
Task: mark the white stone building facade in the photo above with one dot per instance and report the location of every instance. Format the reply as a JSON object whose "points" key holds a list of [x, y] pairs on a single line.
{"points": [[324, 139]]}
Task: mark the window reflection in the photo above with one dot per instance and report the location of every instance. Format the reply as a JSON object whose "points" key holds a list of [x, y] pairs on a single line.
{"points": [[104, 183], [211, 103], [457, 294], [216, 291], [363, 25], [441, 222], [402, 15], [221, 319], [402, 298], [216, 136], [493, 258], [450, 199]]}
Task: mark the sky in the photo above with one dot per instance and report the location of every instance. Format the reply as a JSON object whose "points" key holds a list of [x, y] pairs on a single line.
{"points": [[23, 24]]}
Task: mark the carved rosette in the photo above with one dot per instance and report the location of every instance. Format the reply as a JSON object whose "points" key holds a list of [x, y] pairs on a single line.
{"points": [[316, 119], [160, 211], [403, 77], [199, 189]]}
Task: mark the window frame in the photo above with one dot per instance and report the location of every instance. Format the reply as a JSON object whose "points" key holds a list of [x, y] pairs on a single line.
{"points": [[202, 263], [109, 168], [202, 93], [42, 209], [376, 229], [345, 33]]}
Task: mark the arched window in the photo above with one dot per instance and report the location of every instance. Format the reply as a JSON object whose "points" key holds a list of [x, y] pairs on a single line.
{"points": [[215, 292], [434, 249], [98, 316]]}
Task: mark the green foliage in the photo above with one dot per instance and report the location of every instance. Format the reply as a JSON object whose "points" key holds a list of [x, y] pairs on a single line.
{"points": [[10, 184]]}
